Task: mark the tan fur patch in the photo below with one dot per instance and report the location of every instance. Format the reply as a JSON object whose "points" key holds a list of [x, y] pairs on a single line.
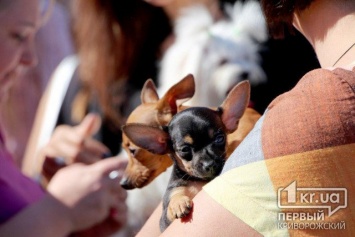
{"points": [[190, 191], [188, 139], [183, 164]]}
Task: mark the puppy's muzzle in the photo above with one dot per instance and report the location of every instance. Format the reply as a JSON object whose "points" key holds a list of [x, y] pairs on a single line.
{"points": [[126, 184], [210, 168]]}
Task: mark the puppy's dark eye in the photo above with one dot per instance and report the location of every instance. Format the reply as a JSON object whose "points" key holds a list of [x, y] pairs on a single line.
{"points": [[220, 139], [185, 152], [185, 149]]}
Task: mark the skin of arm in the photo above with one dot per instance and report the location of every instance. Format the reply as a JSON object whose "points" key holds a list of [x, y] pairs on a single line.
{"points": [[207, 219], [151, 226]]}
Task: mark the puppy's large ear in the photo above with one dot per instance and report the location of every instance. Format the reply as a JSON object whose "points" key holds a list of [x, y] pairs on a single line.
{"points": [[153, 139], [149, 92], [168, 104], [234, 105]]}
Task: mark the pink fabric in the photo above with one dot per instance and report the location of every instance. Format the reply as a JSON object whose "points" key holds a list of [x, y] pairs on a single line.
{"points": [[16, 190]]}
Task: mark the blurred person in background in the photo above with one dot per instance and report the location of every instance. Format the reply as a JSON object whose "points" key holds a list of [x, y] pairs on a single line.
{"points": [[52, 43], [117, 45], [80, 197]]}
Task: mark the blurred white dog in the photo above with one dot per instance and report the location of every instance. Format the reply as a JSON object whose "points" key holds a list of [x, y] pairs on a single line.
{"points": [[219, 54]]}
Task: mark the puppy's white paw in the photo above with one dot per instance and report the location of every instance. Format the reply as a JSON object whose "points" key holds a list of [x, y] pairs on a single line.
{"points": [[179, 207]]}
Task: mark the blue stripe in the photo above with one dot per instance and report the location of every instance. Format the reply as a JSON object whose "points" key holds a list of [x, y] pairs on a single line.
{"points": [[249, 150]]}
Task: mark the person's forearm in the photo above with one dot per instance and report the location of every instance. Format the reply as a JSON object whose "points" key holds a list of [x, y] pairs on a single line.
{"points": [[151, 227], [48, 217]]}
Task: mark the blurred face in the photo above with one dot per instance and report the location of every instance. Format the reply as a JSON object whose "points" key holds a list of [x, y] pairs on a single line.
{"points": [[19, 21]]}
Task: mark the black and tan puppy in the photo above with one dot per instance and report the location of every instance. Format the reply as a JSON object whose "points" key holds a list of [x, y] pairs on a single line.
{"points": [[196, 140]]}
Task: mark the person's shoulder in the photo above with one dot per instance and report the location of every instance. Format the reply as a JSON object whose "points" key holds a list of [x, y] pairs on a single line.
{"points": [[320, 83], [330, 80], [300, 138], [318, 112]]}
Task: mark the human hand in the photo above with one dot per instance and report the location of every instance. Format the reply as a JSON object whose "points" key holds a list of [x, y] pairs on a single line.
{"points": [[91, 198], [73, 144]]}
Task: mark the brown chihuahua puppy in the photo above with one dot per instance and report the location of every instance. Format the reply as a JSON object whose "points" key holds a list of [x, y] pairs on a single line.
{"points": [[196, 140], [144, 166]]}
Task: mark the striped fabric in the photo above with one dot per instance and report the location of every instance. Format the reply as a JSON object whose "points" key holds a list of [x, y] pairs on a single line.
{"points": [[294, 174]]}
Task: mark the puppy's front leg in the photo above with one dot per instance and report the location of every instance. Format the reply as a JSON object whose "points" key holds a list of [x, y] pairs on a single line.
{"points": [[180, 203]]}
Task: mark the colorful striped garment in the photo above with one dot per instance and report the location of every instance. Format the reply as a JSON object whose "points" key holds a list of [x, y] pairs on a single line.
{"points": [[294, 174]]}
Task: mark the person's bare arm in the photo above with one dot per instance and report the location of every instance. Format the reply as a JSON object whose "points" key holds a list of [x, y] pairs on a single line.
{"points": [[151, 226], [209, 219]]}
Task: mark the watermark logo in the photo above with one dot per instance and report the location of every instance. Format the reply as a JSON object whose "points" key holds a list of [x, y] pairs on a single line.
{"points": [[315, 204], [293, 197]]}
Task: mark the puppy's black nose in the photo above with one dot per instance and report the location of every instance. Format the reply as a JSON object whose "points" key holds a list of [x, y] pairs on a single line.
{"points": [[244, 75], [209, 166], [126, 184]]}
